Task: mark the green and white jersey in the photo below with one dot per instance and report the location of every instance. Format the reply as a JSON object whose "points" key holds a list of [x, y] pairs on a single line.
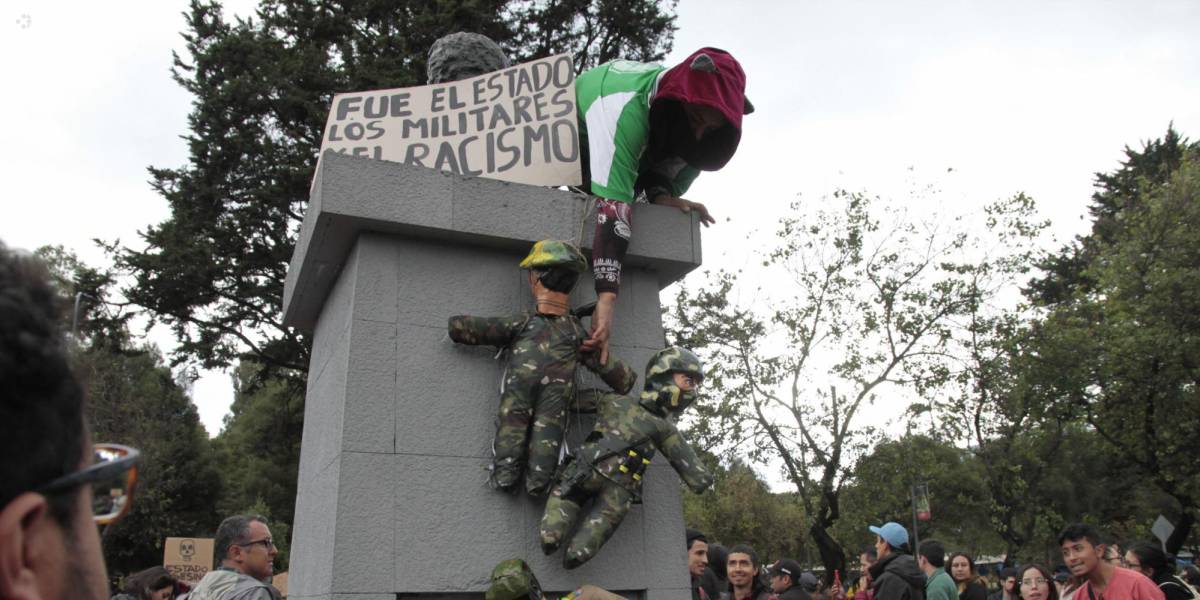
{"points": [[614, 115]]}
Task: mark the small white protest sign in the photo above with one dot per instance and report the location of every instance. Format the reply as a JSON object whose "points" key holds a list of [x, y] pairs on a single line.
{"points": [[516, 124]]}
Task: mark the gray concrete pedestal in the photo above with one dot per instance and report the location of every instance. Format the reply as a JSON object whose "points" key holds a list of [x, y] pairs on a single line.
{"points": [[392, 498]]}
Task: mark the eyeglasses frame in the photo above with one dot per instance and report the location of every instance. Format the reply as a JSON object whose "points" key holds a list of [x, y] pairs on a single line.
{"points": [[99, 472]]}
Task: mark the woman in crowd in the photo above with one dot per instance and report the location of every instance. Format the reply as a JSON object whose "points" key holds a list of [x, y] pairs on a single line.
{"points": [[962, 570], [1152, 562], [154, 583], [1035, 583]]}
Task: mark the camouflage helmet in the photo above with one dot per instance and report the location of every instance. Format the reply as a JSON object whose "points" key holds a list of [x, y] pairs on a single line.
{"points": [[660, 388], [513, 580], [555, 253]]}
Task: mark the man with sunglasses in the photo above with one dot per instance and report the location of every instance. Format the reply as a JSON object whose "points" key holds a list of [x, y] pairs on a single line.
{"points": [[55, 487], [246, 553]]}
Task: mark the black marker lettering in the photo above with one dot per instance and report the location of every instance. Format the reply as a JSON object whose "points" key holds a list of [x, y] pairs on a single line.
{"points": [[566, 138], [347, 106], [415, 154]]}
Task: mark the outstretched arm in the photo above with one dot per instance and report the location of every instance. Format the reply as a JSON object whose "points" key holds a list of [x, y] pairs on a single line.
{"points": [[683, 458], [485, 331]]}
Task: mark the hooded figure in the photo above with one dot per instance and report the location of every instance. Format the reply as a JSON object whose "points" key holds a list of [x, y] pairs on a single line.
{"points": [[608, 467], [540, 380], [897, 577], [648, 129]]}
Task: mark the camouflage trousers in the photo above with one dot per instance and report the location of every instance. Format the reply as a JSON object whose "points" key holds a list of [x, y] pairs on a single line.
{"points": [[528, 434], [609, 505]]}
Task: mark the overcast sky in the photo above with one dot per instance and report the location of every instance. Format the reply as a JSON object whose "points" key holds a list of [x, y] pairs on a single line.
{"points": [[876, 96]]}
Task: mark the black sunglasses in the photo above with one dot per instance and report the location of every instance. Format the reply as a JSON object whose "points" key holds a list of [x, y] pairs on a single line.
{"points": [[113, 478]]}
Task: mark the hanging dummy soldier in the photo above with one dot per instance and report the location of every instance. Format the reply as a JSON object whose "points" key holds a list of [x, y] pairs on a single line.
{"points": [[608, 467], [540, 379]]}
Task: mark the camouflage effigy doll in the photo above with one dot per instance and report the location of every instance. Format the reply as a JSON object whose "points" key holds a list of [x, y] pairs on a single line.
{"points": [[540, 380], [609, 465]]}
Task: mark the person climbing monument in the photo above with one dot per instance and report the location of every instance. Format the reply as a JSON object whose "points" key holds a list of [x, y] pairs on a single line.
{"points": [[540, 380], [608, 467], [646, 129]]}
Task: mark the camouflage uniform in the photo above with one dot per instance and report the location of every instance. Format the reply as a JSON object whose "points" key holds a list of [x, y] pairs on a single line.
{"points": [[609, 465], [538, 385]]}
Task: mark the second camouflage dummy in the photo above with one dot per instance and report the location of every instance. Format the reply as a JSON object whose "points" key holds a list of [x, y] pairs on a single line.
{"points": [[608, 467], [540, 380]]}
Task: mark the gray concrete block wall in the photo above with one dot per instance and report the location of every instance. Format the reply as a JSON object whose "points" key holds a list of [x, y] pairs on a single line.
{"points": [[392, 496]]}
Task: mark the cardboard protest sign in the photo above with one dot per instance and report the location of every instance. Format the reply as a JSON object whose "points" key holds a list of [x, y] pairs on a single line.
{"points": [[517, 124], [280, 581], [188, 559]]}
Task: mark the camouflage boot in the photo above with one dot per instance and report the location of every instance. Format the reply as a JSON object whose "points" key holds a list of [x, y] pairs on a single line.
{"points": [[559, 516]]}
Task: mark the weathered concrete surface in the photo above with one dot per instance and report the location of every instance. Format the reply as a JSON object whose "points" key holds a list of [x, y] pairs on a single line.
{"points": [[392, 496]]}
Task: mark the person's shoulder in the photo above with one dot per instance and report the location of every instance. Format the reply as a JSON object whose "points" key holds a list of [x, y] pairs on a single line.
{"points": [[1134, 580]]}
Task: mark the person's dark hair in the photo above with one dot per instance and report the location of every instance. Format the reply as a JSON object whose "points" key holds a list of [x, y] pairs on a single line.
{"points": [[232, 531], [1044, 574], [970, 563], [41, 401], [872, 555], [693, 535], [934, 552], [1152, 557], [144, 583], [1191, 574], [718, 556], [557, 279], [1079, 531]]}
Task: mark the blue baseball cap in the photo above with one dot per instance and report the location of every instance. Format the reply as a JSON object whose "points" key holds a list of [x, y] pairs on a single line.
{"points": [[893, 533]]}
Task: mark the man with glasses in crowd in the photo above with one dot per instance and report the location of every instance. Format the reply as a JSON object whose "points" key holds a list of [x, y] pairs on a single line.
{"points": [[246, 553], [55, 486]]}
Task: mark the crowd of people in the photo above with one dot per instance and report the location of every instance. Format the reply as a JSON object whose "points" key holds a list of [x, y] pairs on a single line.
{"points": [[1091, 569]]}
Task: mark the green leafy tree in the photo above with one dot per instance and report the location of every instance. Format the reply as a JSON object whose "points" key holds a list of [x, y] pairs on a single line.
{"points": [[865, 308], [134, 399], [214, 270], [880, 490], [1124, 349], [259, 448], [740, 508], [1116, 193]]}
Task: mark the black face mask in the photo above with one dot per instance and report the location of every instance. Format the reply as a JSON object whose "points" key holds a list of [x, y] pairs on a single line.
{"points": [[671, 136]]}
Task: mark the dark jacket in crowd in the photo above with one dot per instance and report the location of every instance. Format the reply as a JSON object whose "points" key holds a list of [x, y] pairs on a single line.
{"points": [[974, 591], [897, 577], [759, 591], [707, 586], [1172, 587], [796, 592]]}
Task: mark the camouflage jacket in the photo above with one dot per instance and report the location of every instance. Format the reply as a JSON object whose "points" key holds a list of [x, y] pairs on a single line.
{"points": [[623, 425], [545, 347]]}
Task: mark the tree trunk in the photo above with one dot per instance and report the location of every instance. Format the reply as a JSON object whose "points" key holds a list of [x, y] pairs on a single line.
{"points": [[832, 555]]}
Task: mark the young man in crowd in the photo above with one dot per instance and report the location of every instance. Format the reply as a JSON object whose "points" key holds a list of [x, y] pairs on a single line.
{"points": [[246, 553], [895, 575], [1008, 586], [744, 582], [931, 558], [1084, 552], [862, 590], [697, 552], [49, 542], [785, 581]]}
